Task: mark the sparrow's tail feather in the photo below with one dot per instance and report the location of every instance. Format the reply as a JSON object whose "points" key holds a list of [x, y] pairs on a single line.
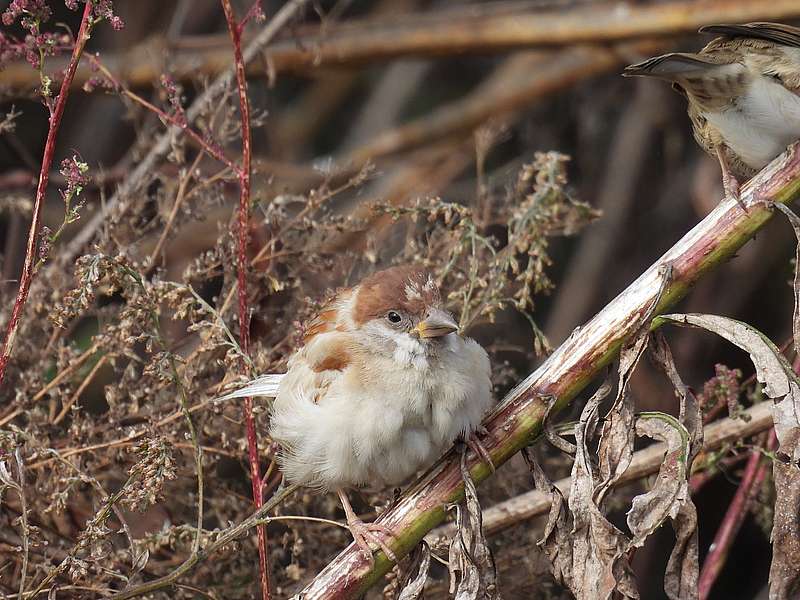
{"points": [[266, 385], [671, 67]]}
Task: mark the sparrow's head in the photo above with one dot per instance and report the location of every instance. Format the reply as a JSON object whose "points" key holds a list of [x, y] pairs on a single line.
{"points": [[401, 304]]}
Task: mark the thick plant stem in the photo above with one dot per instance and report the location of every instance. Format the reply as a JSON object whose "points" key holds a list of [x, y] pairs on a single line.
{"points": [[235, 30], [518, 418], [26, 277]]}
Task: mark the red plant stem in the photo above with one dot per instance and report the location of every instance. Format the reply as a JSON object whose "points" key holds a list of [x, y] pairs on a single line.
{"points": [[211, 149], [44, 174], [754, 473], [244, 322]]}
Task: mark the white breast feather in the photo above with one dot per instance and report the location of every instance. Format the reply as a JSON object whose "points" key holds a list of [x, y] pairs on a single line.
{"points": [[762, 123]]}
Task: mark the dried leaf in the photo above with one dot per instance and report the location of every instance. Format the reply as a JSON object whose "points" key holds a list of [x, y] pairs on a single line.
{"points": [[772, 370], [472, 570], [616, 441], [683, 567], [690, 413], [782, 386], [599, 565], [140, 562], [551, 434], [557, 537], [421, 560], [649, 510], [784, 573], [794, 221]]}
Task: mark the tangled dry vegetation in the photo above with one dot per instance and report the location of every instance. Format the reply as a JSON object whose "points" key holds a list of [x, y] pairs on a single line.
{"points": [[117, 465]]}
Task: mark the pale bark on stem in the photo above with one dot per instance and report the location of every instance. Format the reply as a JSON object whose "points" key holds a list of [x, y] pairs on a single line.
{"points": [[235, 31], [475, 29], [518, 418], [31, 257]]}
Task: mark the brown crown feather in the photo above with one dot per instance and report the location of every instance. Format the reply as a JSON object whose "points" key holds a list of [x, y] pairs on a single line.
{"points": [[410, 289]]}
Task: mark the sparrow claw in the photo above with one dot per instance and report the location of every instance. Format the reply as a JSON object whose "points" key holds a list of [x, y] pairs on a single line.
{"points": [[473, 441], [729, 182], [732, 190], [364, 533]]}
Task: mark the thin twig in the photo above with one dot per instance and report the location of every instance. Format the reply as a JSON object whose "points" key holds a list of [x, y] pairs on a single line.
{"points": [[180, 196], [244, 172], [211, 149], [84, 384], [67, 371], [222, 540], [122, 199], [31, 253], [100, 517], [23, 520]]}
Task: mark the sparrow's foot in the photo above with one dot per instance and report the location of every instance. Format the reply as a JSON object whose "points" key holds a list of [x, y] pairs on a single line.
{"points": [[364, 533], [729, 182], [375, 533], [473, 440], [732, 189]]}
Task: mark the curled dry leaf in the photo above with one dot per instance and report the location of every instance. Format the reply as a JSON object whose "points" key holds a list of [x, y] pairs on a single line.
{"points": [[794, 221], [683, 567], [669, 498], [599, 565], [649, 510], [616, 441], [415, 584], [557, 539], [782, 386], [690, 413], [472, 570], [549, 431]]}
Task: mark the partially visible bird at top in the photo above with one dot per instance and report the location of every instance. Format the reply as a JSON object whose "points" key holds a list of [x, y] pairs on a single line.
{"points": [[381, 387], [743, 94]]}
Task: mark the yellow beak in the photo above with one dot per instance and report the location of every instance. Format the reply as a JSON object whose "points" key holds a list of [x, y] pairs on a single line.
{"points": [[438, 323]]}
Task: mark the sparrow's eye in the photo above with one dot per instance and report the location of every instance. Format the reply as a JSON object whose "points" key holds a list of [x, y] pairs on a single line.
{"points": [[393, 317]]}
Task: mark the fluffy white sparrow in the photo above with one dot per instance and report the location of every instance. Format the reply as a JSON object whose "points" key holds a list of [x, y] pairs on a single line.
{"points": [[381, 387], [743, 93]]}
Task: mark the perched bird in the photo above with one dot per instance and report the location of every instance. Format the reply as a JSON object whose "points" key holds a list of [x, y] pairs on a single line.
{"points": [[743, 91], [381, 387]]}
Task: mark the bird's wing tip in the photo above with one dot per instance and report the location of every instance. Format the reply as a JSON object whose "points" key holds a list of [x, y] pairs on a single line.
{"points": [[263, 386]]}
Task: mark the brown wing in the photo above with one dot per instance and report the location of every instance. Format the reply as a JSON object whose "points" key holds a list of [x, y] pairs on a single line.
{"points": [[712, 80], [326, 320], [777, 33]]}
